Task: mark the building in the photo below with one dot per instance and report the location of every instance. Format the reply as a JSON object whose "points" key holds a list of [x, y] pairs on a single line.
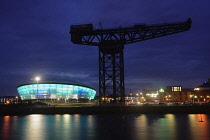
{"points": [[177, 94], [151, 95], [202, 92], [55, 90], [9, 100], [132, 98]]}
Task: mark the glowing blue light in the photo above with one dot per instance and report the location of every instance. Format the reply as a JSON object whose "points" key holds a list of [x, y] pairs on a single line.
{"points": [[55, 91]]}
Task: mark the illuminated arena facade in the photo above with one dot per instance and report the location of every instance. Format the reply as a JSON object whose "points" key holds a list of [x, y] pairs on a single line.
{"points": [[53, 90]]}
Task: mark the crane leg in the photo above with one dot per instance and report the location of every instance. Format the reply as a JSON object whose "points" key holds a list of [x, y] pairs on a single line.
{"points": [[111, 73]]}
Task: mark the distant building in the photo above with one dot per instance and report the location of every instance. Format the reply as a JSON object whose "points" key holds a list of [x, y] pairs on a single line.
{"points": [[177, 94], [132, 97], [9, 99], [202, 92], [151, 95]]}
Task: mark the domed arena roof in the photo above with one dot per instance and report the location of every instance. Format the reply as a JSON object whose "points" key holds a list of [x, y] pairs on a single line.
{"points": [[55, 89]]}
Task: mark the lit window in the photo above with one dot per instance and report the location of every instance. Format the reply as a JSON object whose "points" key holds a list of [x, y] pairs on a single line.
{"points": [[196, 89], [176, 88]]}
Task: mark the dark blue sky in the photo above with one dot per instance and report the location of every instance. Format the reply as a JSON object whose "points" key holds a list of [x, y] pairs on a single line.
{"points": [[35, 40]]}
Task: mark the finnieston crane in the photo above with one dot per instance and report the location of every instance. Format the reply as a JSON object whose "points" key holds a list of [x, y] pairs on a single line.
{"points": [[111, 44]]}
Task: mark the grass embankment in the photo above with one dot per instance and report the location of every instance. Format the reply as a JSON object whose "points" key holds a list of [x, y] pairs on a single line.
{"points": [[26, 110]]}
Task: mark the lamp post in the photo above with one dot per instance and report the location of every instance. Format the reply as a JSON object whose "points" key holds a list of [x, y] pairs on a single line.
{"points": [[17, 99], [37, 80]]}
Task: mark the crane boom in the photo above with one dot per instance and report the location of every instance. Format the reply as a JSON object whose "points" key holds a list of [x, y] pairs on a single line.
{"points": [[85, 35]]}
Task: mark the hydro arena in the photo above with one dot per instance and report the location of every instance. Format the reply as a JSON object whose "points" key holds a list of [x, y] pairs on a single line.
{"points": [[55, 90]]}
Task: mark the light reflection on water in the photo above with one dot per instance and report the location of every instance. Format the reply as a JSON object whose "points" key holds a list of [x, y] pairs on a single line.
{"points": [[94, 127]]}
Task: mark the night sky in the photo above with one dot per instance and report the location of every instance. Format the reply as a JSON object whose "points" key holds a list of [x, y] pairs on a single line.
{"points": [[35, 40]]}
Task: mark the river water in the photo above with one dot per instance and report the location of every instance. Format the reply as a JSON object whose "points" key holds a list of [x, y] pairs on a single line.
{"points": [[109, 127]]}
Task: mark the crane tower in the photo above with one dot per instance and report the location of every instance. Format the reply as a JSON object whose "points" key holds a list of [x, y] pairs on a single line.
{"points": [[111, 44]]}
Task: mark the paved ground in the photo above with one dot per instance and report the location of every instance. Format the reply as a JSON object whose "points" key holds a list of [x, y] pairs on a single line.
{"points": [[25, 110]]}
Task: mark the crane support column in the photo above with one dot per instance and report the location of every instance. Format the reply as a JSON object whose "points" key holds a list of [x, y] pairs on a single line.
{"points": [[111, 72]]}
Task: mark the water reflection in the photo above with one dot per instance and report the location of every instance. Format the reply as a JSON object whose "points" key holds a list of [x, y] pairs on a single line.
{"points": [[6, 127], [201, 128], [94, 127]]}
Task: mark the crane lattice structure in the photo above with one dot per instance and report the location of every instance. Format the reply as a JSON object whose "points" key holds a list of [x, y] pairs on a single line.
{"points": [[111, 44]]}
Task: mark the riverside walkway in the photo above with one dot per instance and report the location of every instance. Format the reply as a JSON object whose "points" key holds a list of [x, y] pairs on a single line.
{"points": [[26, 110]]}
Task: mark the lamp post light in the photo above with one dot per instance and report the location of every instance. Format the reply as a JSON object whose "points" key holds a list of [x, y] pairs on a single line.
{"points": [[37, 80], [17, 99]]}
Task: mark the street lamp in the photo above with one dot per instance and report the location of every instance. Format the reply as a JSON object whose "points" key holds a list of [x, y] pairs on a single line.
{"points": [[17, 99], [37, 80]]}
